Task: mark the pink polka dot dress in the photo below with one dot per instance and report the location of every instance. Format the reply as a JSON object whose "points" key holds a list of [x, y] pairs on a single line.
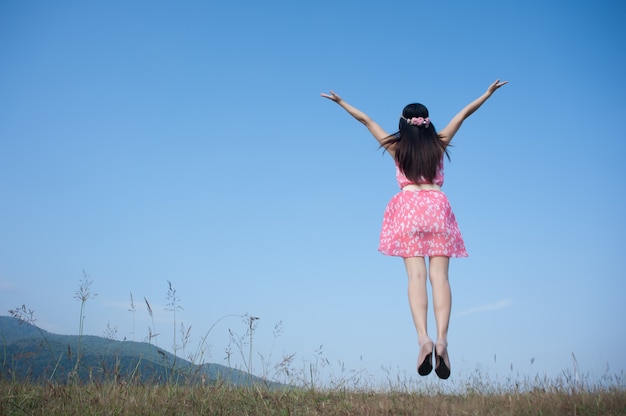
{"points": [[420, 223]]}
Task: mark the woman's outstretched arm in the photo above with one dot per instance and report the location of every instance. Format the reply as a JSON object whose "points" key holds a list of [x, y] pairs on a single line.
{"points": [[448, 132], [378, 133]]}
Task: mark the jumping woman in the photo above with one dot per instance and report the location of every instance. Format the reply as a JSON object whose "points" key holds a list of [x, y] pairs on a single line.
{"points": [[418, 222]]}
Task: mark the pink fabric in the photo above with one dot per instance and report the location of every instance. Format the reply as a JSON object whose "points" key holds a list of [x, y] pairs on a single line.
{"points": [[420, 223], [404, 181]]}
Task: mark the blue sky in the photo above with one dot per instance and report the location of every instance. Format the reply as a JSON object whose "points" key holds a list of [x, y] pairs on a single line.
{"points": [[146, 142]]}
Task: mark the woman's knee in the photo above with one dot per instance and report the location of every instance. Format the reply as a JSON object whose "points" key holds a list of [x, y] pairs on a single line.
{"points": [[415, 268], [438, 270]]}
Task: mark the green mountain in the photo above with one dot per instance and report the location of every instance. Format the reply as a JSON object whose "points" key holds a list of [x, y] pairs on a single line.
{"points": [[29, 353]]}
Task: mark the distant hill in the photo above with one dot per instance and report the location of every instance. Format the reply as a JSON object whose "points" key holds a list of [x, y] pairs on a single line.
{"points": [[30, 353]]}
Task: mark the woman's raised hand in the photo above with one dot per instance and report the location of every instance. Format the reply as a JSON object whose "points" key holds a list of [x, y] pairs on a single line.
{"points": [[493, 87], [332, 96]]}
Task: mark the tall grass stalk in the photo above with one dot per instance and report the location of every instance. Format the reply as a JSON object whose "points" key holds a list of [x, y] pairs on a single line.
{"points": [[83, 294], [173, 306], [27, 315], [251, 327], [151, 330], [132, 310], [198, 356]]}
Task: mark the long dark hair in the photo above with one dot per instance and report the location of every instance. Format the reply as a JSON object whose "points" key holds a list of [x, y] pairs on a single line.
{"points": [[418, 149]]}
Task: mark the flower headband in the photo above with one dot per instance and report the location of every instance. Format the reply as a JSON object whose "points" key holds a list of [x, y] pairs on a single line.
{"points": [[418, 121]]}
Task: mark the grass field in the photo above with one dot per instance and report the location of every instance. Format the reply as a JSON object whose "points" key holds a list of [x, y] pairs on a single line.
{"points": [[300, 392], [112, 398]]}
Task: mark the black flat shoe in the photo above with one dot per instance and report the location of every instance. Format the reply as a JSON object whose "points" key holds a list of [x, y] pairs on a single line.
{"points": [[442, 368], [425, 360]]}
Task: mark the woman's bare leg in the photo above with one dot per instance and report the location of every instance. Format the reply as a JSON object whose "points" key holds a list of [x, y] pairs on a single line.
{"points": [[418, 296], [418, 300], [442, 303], [442, 295]]}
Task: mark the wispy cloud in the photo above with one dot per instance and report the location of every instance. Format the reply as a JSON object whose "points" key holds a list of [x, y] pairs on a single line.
{"points": [[485, 308], [7, 286]]}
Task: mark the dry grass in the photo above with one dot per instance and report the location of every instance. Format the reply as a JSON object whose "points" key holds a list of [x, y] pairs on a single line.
{"points": [[346, 393], [136, 399]]}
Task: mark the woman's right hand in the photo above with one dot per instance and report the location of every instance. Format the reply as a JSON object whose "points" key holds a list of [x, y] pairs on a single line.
{"points": [[379, 134]]}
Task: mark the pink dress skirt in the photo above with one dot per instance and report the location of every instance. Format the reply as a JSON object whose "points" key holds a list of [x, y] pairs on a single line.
{"points": [[420, 223]]}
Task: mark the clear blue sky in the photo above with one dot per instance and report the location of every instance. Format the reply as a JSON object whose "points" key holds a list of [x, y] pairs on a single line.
{"points": [[149, 141]]}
